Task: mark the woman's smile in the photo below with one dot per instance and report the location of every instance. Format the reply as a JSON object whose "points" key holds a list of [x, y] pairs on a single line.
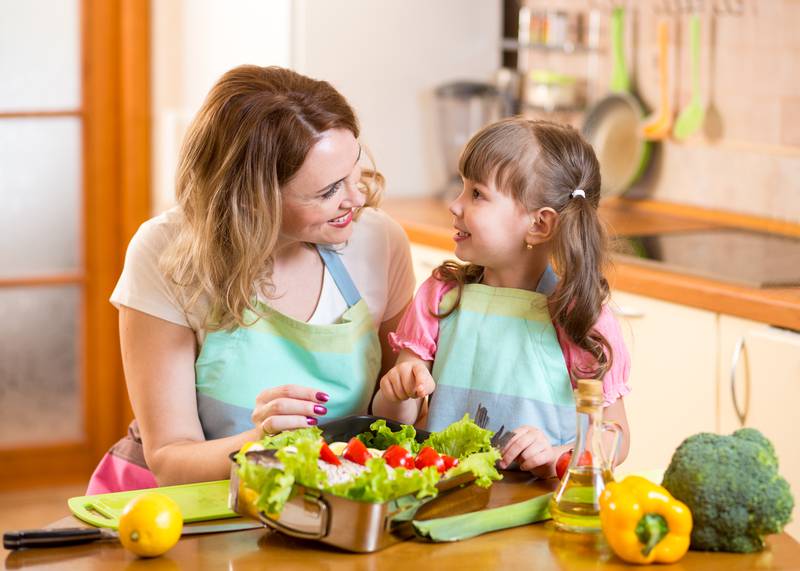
{"points": [[342, 221]]}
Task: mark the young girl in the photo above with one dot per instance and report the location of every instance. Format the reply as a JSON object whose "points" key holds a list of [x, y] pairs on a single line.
{"points": [[504, 330]]}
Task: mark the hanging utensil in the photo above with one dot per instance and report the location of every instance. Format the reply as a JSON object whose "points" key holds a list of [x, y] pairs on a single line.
{"points": [[691, 118], [713, 126], [658, 125], [612, 125]]}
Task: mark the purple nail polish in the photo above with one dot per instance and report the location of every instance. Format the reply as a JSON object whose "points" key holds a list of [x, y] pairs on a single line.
{"points": [[322, 397], [311, 421], [319, 409]]}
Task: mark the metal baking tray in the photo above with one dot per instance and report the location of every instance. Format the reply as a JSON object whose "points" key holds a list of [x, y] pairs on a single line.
{"points": [[361, 527]]}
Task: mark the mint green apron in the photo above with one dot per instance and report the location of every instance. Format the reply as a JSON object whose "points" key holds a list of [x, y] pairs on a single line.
{"points": [[500, 349], [342, 359]]}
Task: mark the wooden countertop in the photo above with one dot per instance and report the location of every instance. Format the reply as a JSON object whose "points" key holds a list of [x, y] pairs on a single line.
{"points": [[427, 221], [533, 546]]}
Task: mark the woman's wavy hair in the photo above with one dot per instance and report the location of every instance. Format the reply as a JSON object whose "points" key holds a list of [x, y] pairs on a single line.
{"points": [[249, 139], [540, 164]]}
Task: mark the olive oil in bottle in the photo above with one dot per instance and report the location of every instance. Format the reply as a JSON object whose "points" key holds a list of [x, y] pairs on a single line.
{"points": [[575, 504]]}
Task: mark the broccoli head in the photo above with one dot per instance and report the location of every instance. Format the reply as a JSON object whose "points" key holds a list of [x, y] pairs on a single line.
{"points": [[732, 486]]}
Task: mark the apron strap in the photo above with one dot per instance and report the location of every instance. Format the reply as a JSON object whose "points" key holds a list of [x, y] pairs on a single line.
{"points": [[340, 275], [548, 282]]}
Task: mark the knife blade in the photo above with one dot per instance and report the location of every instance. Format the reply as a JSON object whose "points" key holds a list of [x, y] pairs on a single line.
{"points": [[76, 535]]}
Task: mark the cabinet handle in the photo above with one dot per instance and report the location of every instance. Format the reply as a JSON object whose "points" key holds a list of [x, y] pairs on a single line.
{"points": [[737, 353]]}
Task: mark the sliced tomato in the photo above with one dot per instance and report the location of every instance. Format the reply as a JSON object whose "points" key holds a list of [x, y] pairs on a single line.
{"points": [[449, 461], [327, 455], [398, 457], [355, 451], [429, 457]]}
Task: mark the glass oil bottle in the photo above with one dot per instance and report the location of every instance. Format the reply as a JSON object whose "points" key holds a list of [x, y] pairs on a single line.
{"points": [[575, 505]]}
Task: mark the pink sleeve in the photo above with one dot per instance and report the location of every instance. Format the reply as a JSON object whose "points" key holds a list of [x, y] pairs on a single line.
{"points": [[615, 382], [418, 330]]}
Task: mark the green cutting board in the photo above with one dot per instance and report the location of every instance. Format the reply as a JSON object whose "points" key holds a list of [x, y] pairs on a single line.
{"points": [[198, 502]]}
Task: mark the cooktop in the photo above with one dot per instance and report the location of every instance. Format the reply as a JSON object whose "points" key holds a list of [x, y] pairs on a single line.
{"points": [[747, 257]]}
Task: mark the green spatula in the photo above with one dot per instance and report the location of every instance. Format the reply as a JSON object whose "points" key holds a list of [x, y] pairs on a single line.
{"points": [[691, 118]]}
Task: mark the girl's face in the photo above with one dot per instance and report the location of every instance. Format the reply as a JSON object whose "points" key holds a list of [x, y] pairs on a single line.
{"points": [[490, 226], [318, 202]]}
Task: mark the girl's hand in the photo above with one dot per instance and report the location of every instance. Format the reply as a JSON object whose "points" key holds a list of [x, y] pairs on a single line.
{"points": [[531, 448], [407, 380], [288, 406]]}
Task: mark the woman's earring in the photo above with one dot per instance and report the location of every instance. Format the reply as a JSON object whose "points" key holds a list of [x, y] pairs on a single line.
{"points": [[528, 246]]}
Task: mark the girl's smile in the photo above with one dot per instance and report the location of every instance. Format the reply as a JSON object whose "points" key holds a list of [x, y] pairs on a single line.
{"points": [[461, 235]]}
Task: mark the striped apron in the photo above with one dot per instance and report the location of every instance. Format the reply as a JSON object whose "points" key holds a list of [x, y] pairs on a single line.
{"points": [[342, 359], [500, 349]]}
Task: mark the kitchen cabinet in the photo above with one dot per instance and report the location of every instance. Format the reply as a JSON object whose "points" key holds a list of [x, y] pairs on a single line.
{"points": [[759, 386], [673, 352]]}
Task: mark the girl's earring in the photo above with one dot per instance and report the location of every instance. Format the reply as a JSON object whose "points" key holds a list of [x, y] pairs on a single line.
{"points": [[528, 246]]}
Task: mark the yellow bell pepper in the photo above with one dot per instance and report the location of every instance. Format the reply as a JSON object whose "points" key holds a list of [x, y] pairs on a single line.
{"points": [[643, 523]]}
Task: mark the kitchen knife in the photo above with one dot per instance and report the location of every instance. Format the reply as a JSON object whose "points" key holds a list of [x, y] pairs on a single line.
{"points": [[76, 535]]}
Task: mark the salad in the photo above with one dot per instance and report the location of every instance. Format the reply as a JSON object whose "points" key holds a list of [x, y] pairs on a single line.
{"points": [[374, 466]]}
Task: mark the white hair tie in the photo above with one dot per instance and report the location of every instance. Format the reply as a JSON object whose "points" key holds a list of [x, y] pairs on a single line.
{"points": [[578, 192]]}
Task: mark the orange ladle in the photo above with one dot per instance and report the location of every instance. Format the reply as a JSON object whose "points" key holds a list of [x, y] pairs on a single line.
{"points": [[659, 124]]}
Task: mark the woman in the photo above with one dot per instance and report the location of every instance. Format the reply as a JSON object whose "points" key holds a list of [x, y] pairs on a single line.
{"points": [[259, 303]]}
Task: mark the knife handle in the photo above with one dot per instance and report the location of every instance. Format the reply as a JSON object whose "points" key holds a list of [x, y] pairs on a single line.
{"points": [[50, 537]]}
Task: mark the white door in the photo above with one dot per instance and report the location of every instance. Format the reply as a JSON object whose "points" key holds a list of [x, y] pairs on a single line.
{"points": [[759, 386], [673, 370]]}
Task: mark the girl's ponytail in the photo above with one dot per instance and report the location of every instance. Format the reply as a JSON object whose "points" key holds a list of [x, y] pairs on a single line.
{"points": [[579, 253]]}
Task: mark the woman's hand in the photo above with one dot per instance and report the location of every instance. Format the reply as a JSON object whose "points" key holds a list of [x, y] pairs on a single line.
{"points": [[288, 406], [407, 380], [531, 448]]}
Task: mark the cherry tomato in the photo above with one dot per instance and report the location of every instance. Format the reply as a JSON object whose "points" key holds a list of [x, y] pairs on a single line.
{"points": [[326, 454], [355, 451], [429, 457], [449, 462], [398, 457], [563, 462]]}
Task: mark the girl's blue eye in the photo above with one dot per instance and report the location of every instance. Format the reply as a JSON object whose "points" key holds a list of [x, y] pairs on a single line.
{"points": [[332, 190]]}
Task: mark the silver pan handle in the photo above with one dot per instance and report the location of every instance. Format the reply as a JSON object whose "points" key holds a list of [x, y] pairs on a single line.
{"points": [[737, 353], [319, 533]]}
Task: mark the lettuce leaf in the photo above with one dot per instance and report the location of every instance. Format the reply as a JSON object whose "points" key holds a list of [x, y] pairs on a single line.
{"points": [[274, 486], [482, 464], [461, 439], [380, 483], [290, 437], [381, 437], [302, 464]]}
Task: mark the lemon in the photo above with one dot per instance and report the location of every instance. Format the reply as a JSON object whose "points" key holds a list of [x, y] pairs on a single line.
{"points": [[150, 524]]}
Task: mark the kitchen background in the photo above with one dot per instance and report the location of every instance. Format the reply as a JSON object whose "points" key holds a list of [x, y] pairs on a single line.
{"points": [[97, 95]]}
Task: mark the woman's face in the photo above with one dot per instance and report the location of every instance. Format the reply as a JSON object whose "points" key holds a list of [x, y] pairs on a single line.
{"points": [[318, 202]]}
